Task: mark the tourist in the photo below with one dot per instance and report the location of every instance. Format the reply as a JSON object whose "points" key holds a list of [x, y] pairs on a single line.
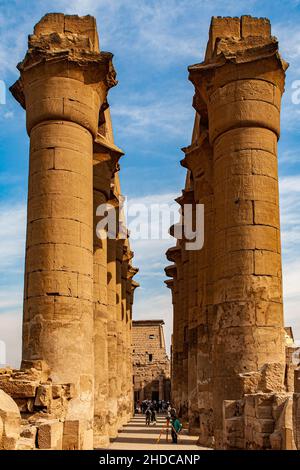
{"points": [[144, 406], [176, 427], [153, 415]]}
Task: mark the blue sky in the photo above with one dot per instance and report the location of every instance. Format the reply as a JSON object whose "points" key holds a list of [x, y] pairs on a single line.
{"points": [[153, 42]]}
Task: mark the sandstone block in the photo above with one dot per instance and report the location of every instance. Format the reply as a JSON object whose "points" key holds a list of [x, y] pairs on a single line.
{"points": [[269, 313], [263, 412], [29, 432], [38, 365], [262, 440], [231, 409], [276, 440], [71, 435], [25, 405], [249, 406], [235, 427], [267, 263], [255, 27], [52, 283], [250, 382], [25, 444], [264, 425], [252, 237], [248, 139], [272, 378], [266, 213], [50, 23], [57, 391]]}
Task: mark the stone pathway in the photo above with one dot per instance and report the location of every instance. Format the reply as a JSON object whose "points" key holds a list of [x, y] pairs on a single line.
{"points": [[137, 436]]}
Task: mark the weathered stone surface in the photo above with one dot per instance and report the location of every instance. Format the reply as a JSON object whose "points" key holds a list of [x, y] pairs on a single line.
{"points": [[10, 422], [19, 389]]}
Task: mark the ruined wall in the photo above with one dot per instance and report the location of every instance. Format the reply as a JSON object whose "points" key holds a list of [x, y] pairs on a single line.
{"points": [[151, 365]]}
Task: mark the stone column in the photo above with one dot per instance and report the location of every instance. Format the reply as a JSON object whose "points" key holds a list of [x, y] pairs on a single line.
{"points": [[62, 89], [125, 365], [171, 271], [106, 157], [241, 82], [121, 335], [186, 198], [130, 289], [126, 322], [101, 434]]}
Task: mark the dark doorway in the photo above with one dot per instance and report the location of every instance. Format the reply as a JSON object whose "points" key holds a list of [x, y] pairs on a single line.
{"points": [[155, 396]]}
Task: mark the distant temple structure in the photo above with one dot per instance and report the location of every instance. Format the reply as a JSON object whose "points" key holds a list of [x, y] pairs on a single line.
{"points": [[151, 365]]}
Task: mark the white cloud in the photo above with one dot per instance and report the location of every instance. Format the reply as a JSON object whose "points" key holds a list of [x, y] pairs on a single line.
{"points": [[289, 157], [8, 115], [12, 247], [165, 114], [290, 235], [155, 221], [288, 35]]}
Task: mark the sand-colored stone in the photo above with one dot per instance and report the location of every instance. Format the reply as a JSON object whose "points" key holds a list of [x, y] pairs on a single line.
{"points": [[151, 365]]}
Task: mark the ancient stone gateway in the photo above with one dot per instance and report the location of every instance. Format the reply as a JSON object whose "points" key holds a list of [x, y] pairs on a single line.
{"points": [[229, 368], [75, 383]]}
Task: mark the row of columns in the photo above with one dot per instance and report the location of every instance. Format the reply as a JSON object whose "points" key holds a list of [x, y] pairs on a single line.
{"points": [[78, 289], [232, 322]]}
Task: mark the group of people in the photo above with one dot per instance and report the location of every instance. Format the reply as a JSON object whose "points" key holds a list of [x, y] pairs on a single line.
{"points": [[150, 408]]}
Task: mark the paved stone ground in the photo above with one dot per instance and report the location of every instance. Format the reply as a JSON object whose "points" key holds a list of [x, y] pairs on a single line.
{"points": [[137, 436]]}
